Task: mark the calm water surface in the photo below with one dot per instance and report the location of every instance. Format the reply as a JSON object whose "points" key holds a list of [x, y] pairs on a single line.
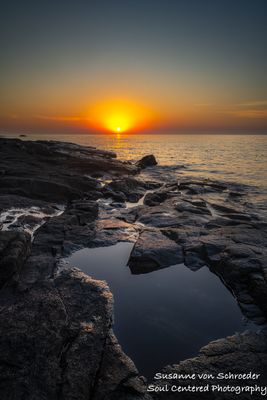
{"points": [[164, 316], [235, 158]]}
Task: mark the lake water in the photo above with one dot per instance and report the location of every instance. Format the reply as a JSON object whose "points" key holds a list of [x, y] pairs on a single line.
{"points": [[235, 158], [164, 316]]}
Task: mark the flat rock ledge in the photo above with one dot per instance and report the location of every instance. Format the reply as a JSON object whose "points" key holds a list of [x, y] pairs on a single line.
{"points": [[56, 337], [56, 326], [239, 354]]}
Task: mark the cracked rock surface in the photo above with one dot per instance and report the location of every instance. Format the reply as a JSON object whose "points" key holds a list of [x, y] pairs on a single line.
{"points": [[56, 326], [56, 337]]}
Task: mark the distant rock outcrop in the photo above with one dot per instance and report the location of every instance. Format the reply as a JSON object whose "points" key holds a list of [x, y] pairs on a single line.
{"points": [[147, 161]]}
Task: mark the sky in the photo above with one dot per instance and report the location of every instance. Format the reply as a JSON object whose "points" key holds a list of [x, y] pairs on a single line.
{"points": [[159, 66]]}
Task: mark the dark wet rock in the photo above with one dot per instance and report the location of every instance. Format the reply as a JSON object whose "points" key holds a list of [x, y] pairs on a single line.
{"points": [[236, 253], [27, 222], [194, 255], [154, 199], [201, 187], [219, 222], [86, 331], [166, 191], [203, 183], [129, 215], [194, 189], [241, 265], [159, 219], [69, 188], [62, 327], [239, 217], [13, 201], [234, 195], [111, 231], [166, 215], [191, 207], [238, 354], [62, 323], [147, 161], [231, 245], [152, 185], [85, 211], [73, 229], [118, 196], [118, 376], [223, 208], [129, 188], [153, 251], [14, 249], [54, 171]]}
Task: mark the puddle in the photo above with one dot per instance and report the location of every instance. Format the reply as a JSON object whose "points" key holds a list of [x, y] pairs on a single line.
{"points": [[140, 202], [164, 316], [26, 219]]}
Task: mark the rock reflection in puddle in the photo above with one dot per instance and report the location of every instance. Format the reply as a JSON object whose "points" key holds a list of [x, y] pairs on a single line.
{"points": [[165, 316]]}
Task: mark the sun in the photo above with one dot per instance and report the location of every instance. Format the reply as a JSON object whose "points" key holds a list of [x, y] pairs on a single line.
{"points": [[118, 121], [119, 116]]}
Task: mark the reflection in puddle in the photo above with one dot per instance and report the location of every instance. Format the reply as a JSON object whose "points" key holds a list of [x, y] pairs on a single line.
{"points": [[140, 202], [164, 316]]}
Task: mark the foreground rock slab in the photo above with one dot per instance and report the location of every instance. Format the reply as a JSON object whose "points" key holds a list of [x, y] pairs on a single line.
{"points": [[15, 247], [61, 330], [56, 325], [56, 338], [55, 171], [239, 354], [153, 251]]}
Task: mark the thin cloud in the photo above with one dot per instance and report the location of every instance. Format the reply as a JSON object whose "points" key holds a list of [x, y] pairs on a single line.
{"points": [[60, 118], [250, 113], [203, 105], [256, 104], [253, 110]]}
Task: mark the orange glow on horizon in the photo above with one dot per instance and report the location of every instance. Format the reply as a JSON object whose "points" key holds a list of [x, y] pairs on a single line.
{"points": [[119, 116]]}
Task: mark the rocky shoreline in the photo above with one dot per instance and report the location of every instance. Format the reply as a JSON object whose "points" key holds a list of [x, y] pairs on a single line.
{"points": [[56, 331]]}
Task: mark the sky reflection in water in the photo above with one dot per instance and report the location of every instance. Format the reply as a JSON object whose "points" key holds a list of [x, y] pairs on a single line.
{"points": [[164, 316]]}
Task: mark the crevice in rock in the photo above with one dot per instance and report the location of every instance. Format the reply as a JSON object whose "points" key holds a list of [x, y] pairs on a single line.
{"points": [[66, 345], [93, 387]]}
